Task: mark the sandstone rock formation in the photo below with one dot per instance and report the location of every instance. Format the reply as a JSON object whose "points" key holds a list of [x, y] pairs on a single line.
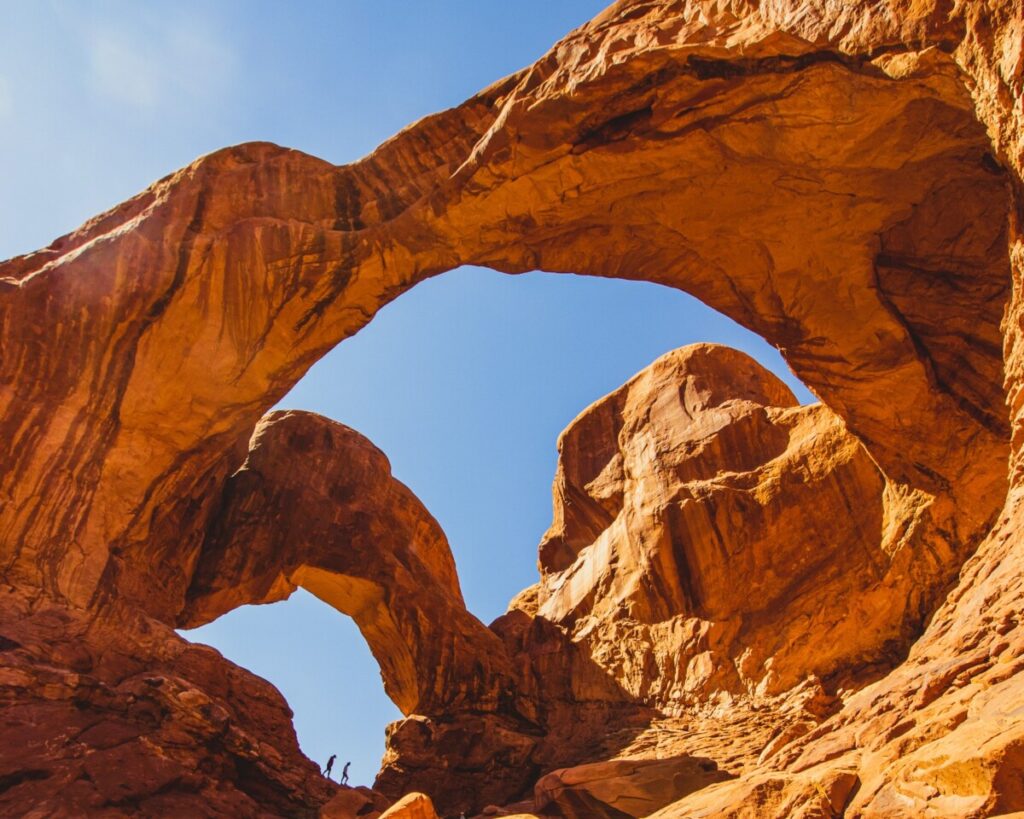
{"points": [[350, 803], [113, 714], [610, 790], [412, 806], [842, 178], [314, 504], [711, 535]]}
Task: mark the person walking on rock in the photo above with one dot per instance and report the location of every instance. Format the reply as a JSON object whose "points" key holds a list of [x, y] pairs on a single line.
{"points": [[330, 764], [344, 773]]}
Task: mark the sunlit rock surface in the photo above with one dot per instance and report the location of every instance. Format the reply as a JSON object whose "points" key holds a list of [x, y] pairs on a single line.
{"points": [[712, 536], [111, 713], [314, 504], [842, 178], [411, 806], [608, 790]]}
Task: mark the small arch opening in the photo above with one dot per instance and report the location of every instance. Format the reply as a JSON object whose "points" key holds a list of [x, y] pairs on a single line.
{"points": [[319, 661], [465, 383]]}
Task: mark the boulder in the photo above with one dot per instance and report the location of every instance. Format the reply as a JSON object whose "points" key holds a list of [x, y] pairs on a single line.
{"points": [[618, 789], [411, 806]]}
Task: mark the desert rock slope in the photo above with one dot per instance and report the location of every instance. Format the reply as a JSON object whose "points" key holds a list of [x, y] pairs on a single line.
{"points": [[746, 607]]}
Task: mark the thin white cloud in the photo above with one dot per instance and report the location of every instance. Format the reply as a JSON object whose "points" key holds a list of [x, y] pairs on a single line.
{"points": [[6, 98], [122, 71], [199, 61], [151, 64]]}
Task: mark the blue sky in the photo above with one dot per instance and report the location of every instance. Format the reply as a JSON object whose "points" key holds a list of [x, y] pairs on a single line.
{"points": [[464, 382]]}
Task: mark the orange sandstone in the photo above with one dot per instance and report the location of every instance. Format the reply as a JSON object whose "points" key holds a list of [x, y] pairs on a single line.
{"points": [[824, 601]]}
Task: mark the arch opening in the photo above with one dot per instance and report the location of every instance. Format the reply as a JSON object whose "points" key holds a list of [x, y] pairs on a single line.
{"points": [[893, 232], [336, 466], [321, 664], [692, 179], [881, 163]]}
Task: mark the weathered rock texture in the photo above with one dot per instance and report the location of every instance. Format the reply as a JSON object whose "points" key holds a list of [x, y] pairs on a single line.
{"points": [[843, 178], [315, 505], [622, 787], [113, 714], [412, 806], [712, 536]]}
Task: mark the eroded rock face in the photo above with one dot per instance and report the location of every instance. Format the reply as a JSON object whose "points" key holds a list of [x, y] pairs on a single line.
{"points": [[716, 549], [114, 714], [712, 536], [939, 736], [412, 806], [315, 505], [611, 790], [844, 179], [707, 134]]}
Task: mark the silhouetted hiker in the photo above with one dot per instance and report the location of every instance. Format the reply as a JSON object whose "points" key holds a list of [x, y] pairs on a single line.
{"points": [[344, 773], [330, 764]]}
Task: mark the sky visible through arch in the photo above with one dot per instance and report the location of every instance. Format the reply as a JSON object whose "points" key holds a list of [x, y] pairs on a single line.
{"points": [[464, 382]]}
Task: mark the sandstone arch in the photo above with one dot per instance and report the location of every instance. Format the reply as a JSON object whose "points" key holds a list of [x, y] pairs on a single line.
{"points": [[314, 505], [673, 141], [677, 159]]}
